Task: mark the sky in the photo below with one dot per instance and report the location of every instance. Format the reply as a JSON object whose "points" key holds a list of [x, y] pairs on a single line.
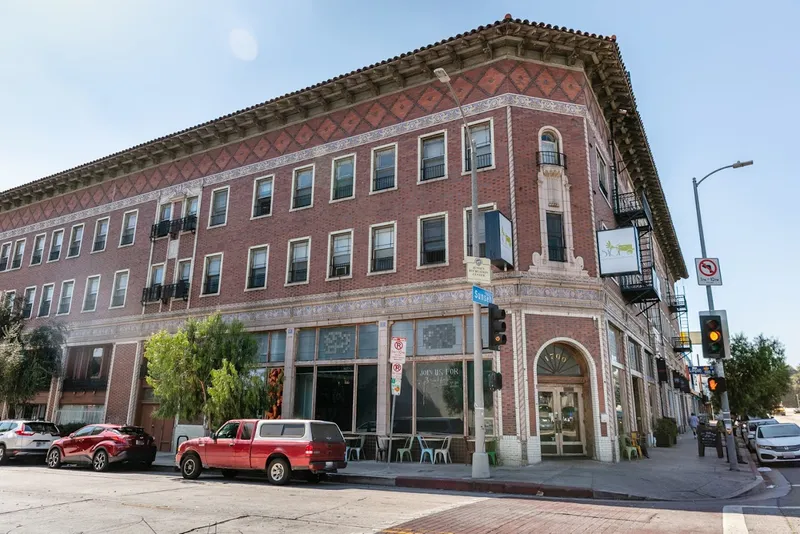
{"points": [[715, 82]]}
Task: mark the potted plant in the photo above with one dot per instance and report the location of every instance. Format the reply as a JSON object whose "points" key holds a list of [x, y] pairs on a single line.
{"points": [[666, 431]]}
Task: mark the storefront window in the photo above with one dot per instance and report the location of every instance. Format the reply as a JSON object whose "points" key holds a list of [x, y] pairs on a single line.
{"points": [[440, 336], [367, 398], [618, 400], [405, 329], [612, 344], [337, 343], [335, 395], [633, 354], [306, 345], [304, 392], [277, 346], [404, 405], [368, 341], [440, 397], [488, 398]]}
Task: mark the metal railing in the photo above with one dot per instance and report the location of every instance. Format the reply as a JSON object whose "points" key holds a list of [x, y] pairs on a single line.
{"points": [[383, 181], [482, 161], [85, 384], [153, 293], [218, 218], [127, 237], [257, 278], [302, 200], [431, 171], [99, 244], [551, 158], [431, 257], [55, 253], [263, 207], [556, 253], [211, 286], [188, 223], [382, 264], [160, 229], [343, 191], [298, 274], [36, 259], [682, 344]]}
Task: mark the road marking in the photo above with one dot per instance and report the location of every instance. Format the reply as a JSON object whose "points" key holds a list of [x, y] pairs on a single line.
{"points": [[733, 517]]}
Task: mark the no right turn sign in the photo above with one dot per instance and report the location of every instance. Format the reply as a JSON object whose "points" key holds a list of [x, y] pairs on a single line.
{"points": [[708, 273]]}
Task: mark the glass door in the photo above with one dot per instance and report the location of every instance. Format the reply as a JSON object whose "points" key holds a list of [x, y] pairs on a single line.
{"points": [[560, 421], [571, 441], [547, 422]]}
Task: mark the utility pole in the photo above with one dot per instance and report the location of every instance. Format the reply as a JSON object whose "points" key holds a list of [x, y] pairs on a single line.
{"points": [[718, 365]]}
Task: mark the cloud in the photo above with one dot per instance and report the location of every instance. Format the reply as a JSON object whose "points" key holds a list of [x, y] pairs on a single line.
{"points": [[243, 44]]}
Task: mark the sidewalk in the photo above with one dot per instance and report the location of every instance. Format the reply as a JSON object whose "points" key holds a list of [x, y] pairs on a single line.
{"points": [[670, 474]]}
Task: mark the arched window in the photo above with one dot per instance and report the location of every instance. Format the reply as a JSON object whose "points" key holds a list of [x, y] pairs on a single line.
{"points": [[549, 142], [549, 153], [558, 360]]}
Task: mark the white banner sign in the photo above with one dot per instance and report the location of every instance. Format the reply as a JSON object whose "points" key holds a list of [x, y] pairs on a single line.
{"points": [[479, 270], [619, 251]]}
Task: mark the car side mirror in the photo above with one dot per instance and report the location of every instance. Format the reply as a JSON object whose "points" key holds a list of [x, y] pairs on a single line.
{"points": [[214, 436], [72, 435]]}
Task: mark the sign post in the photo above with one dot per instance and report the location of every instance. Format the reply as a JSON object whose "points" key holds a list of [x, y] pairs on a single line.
{"points": [[397, 357], [708, 273]]}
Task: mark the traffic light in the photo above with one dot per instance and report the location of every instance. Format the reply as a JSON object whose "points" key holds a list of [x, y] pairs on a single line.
{"points": [[494, 380], [717, 384], [713, 329], [497, 327]]}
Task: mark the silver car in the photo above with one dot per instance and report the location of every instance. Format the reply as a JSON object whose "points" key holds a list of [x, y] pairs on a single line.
{"points": [[750, 433], [23, 438]]}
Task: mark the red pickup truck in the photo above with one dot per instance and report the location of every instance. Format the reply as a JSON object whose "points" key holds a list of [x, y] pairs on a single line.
{"points": [[276, 446]]}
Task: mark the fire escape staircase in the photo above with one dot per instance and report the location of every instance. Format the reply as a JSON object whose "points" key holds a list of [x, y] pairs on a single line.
{"points": [[682, 343], [632, 209]]}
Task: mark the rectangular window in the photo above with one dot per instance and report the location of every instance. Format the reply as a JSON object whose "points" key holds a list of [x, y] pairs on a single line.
{"points": [[120, 289], [47, 299], [19, 251], [367, 398], [185, 271], [440, 397], [38, 249], [9, 297], [5, 255], [303, 188], [128, 228], [192, 204], [100, 235], [218, 215], [90, 295], [55, 245], [634, 359], [405, 329], [304, 393], [555, 237], [165, 212], [96, 363], [481, 231], [341, 254], [262, 197], [433, 157], [383, 250], [298, 261], [433, 240], [27, 303], [75, 241], [613, 347], [343, 178], [257, 270], [439, 337], [157, 275], [306, 344], [334, 395], [211, 274], [384, 165], [482, 135], [65, 301], [602, 174], [272, 346], [190, 207], [338, 343]]}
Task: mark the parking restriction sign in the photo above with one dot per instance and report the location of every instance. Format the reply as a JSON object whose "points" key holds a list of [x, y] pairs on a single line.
{"points": [[397, 353]]}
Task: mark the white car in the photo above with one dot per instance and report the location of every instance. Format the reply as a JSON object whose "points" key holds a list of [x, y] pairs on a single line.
{"points": [[23, 438], [752, 425], [778, 443]]}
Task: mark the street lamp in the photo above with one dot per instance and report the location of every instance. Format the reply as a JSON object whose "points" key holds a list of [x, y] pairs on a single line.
{"points": [[480, 460], [719, 367]]}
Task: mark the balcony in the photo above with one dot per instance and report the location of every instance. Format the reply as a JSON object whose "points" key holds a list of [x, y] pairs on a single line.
{"points": [[153, 293], [382, 264], [482, 161], [302, 198], [632, 209], [173, 227], [85, 384], [432, 169], [682, 344], [677, 303], [552, 158], [344, 190], [384, 179], [187, 224], [263, 207], [641, 287], [160, 229], [164, 292]]}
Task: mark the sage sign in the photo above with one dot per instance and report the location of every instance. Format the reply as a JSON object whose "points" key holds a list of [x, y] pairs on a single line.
{"points": [[619, 251]]}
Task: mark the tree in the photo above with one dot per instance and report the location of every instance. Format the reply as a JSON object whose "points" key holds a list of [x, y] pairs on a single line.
{"points": [[208, 369], [29, 358], [757, 376]]}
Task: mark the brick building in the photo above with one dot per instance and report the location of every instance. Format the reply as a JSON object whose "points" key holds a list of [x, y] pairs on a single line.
{"points": [[332, 218]]}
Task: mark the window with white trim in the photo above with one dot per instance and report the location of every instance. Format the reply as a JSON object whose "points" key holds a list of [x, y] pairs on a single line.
{"points": [[343, 178], [100, 235], [75, 241], [185, 271], [482, 135], [218, 215], [128, 228], [46, 301], [303, 192], [212, 274], [157, 275], [65, 300], [19, 251], [602, 175], [481, 231], [433, 240], [383, 248], [384, 162], [90, 295], [38, 249], [556, 249], [433, 157], [257, 268], [341, 254], [120, 290], [297, 269], [27, 303], [262, 197], [5, 255]]}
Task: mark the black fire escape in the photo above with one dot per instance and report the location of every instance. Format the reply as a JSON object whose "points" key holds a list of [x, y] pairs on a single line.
{"points": [[632, 209], [677, 306]]}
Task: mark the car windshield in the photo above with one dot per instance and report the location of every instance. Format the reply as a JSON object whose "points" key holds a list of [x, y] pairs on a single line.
{"points": [[41, 428], [780, 431], [326, 432]]}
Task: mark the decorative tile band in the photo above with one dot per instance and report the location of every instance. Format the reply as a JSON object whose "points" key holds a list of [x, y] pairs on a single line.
{"points": [[475, 108]]}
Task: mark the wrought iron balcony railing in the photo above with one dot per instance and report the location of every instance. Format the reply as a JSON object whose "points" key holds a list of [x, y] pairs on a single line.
{"points": [[551, 158]]}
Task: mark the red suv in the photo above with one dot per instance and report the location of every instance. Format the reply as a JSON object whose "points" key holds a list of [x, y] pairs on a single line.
{"points": [[276, 446], [103, 445]]}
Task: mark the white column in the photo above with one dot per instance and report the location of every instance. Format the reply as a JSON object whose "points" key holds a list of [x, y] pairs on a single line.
{"points": [[382, 424], [287, 408]]}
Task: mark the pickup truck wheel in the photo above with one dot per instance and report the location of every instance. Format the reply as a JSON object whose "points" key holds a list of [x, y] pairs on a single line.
{"points": [[191, 467], [3, 455], [278, 472], [229, 473]]}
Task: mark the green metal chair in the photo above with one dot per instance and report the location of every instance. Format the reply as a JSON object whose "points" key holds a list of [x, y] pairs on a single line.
{"points": [[406, 449], [627, 449]]}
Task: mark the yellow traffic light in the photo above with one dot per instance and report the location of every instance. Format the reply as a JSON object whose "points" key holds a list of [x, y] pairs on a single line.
{"points": [[714, 335]]}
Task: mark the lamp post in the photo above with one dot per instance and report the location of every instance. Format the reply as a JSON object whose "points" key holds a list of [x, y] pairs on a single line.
{"points": [[480, 460], [718, 366]]}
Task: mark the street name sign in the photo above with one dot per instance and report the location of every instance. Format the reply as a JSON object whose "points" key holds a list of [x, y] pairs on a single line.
{"points": [[482, 296], [707, 370]]}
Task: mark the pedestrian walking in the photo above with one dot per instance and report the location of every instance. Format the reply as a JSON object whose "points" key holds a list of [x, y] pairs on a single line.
{"points": [[693, 423]]}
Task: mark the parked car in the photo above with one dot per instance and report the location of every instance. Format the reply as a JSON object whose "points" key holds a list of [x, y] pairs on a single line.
{"points": [[278, 447], [778, 443], [779, 410], [103, 445], [22, 438], [752, 426]]}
